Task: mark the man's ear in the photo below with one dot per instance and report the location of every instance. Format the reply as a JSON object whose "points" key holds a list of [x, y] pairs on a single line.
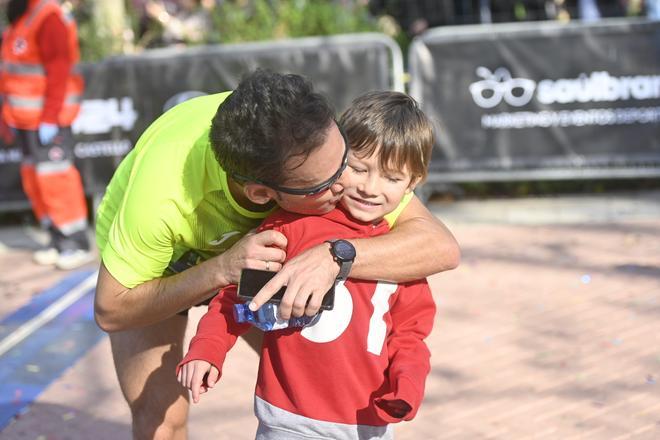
{"points": [[258, 193], [413, 184]]}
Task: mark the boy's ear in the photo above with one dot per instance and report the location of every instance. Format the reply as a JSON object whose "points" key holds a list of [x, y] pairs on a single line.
{"points": [[413, 184], [258, 193]]}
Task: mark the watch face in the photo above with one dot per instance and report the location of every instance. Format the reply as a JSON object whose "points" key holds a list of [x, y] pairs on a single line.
{"points": [[344, 250]]}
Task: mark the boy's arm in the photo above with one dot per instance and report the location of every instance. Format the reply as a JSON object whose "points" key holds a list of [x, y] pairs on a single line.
{"points": [[412, 314], [418, 246], [217, 331]]}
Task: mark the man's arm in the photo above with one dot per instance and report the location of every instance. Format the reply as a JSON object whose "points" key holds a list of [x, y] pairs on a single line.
{"points": [[117, 307], [418, 246]]}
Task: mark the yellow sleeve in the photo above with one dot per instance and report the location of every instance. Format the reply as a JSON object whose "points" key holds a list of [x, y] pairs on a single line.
{"points": [[392, 216], [139, 246], [140, 239]]}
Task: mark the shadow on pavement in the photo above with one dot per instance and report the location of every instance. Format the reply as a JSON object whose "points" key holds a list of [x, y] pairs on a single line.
{"points": [[44, 420]]}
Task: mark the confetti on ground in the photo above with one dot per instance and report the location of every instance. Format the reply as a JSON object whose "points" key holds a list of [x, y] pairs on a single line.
{"points": [[68, 416], [586, 279], [32, 368], [650, 380], [17, 396]]}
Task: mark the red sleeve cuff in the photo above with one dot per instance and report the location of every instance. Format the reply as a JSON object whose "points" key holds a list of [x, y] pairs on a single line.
{"points": [[406, 391], [205, 350]]}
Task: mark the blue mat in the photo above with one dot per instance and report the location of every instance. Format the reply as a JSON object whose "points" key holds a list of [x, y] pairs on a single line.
{"points": [[35, 362]]}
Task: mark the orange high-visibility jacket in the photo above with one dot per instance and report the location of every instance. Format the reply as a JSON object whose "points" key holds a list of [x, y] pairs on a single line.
{"points": [[24, 76]]}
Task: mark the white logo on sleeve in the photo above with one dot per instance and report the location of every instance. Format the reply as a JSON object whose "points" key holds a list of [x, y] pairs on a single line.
{"points": [[224, 237]]}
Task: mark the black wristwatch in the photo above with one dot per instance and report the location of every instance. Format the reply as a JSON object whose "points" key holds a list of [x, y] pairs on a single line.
{"points": [[344, 254]]}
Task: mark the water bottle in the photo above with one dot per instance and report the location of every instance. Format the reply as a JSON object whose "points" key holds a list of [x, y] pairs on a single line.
{"points": [[266, 317]]}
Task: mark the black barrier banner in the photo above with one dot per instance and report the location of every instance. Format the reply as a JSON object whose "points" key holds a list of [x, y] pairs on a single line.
{"points": [[513, 98], [124, 95]]}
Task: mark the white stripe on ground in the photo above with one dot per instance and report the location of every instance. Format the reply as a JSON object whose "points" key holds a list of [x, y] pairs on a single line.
{"points": [[47, 314]]}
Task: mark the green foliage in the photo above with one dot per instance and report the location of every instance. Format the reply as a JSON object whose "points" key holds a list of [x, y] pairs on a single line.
{"points": [[94, 46], [236, 21]]}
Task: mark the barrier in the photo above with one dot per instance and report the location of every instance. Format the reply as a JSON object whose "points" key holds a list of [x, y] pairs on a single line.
{"points": [[541, 100], [125, 94]]}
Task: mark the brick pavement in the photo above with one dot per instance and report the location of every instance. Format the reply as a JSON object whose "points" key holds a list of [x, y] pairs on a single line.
{"points": [[544, 332]]}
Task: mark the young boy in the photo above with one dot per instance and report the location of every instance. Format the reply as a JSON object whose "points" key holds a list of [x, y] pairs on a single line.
{"points": [[362, 365]]}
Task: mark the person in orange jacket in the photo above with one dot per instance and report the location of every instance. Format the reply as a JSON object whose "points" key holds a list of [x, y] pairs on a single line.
{"points": [[42, 91]]}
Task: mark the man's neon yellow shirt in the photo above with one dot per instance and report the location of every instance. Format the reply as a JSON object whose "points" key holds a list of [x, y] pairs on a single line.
{"points": [[169, 195]]}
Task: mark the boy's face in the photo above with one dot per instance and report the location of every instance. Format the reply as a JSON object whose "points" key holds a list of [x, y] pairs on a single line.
{"points": [[371, 193], [323, 165]]}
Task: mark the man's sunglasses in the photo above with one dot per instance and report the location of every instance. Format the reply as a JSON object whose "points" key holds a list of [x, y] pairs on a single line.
{"points": [[311, 191]]}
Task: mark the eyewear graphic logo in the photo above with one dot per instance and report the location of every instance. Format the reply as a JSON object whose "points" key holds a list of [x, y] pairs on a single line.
{"points": [[498, 86]]}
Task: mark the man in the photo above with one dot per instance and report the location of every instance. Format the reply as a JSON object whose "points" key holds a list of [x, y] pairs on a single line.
{"points": [[186, 198], [41, 92]]}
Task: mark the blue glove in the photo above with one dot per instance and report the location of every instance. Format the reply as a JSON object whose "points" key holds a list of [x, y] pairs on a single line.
{"points": [[47, 132]]}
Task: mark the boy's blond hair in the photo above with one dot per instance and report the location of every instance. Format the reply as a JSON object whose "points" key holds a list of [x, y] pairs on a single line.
{"points": [[392, 124]]}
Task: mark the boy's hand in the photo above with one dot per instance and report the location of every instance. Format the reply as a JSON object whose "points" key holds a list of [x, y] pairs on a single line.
{"points": [[396, 408], [198, 376]]}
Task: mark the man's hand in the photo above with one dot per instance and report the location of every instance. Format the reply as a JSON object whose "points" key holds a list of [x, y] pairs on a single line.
{"points": [[308, 276], [262, 251], [198, 376]]}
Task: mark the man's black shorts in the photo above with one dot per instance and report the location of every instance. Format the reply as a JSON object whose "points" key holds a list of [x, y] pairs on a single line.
{"points": [[187, 260], [203, 303]]}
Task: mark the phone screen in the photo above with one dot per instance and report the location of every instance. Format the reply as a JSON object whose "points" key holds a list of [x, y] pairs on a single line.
{"points": [[253, 280]]}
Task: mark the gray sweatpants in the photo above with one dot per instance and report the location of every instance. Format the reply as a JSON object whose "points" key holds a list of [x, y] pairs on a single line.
{"points": [[278, 424]]}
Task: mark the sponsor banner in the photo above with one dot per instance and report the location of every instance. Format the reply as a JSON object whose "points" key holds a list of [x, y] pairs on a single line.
{"points": [[535, 96], [123, 95]]}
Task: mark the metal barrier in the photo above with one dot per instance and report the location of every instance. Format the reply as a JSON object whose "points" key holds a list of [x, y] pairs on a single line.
{"points": [[125, 94], [541, 100]]}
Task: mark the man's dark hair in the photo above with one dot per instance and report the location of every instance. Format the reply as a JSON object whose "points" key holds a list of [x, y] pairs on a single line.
{"points": [[269, 119], [16, 9]]}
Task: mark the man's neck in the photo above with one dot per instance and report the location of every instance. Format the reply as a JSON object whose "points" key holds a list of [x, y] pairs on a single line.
{"points": [[236, 190]]}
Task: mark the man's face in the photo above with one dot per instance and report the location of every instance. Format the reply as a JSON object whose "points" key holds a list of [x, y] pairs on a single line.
{"points": [[320, 166]]}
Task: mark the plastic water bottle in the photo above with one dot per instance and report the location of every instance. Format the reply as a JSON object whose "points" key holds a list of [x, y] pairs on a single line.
{"points": [[266, 317]]}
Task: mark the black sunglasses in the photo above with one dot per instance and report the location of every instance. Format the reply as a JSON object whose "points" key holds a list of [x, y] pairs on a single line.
{"points": [[321, 187]]}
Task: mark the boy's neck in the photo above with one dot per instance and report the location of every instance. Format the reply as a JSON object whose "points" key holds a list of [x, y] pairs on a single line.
{"points": [[375, 222]]}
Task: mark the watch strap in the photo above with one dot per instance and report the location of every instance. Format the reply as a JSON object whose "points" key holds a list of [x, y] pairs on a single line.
{"points": [[344, 270], [344, 266]]}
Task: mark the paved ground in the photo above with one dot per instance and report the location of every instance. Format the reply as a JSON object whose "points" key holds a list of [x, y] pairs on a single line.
{"points": [[549, 329]]}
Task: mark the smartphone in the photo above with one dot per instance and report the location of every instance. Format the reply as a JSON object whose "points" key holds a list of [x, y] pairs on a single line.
{"points": [[253, 280]]}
